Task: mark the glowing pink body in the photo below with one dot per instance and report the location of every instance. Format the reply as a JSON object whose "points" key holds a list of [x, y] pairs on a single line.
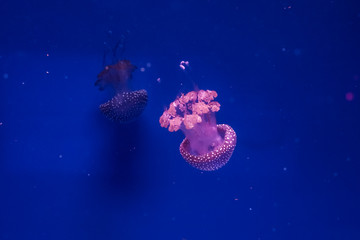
{"points": [[207, 146]]}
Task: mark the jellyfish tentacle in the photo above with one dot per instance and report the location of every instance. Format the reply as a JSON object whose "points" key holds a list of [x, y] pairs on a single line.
{"points": [[119, 49]]}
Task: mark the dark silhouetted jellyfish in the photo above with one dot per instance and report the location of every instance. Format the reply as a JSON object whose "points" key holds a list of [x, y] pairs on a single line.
{"points": [[126, 105], [207, 146]]}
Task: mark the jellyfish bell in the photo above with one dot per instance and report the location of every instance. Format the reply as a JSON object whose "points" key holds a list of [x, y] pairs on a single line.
{"points": [[217, 156], [207, 146], [126, 105]]}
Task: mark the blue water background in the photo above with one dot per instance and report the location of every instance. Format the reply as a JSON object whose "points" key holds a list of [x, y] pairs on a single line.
{"points": [[282, 70]]}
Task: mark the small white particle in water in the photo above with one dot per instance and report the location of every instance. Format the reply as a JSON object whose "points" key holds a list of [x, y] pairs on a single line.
{"points": [[60, 156], [22, 83], [88, 174], [47, 72], [158, 80], [285, 168], [1, 123], [142, 69], [6, 76], [250, 209]]}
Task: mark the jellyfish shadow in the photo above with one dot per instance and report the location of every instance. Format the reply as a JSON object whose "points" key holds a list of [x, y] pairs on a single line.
{"points": [[120, 160]]}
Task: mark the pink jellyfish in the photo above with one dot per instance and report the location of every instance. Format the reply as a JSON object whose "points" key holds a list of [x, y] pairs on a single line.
{"points": [[126, 105], [206, 146]]}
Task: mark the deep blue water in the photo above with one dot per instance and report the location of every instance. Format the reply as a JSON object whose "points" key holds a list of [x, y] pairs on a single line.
{"points": [[287, 74]]}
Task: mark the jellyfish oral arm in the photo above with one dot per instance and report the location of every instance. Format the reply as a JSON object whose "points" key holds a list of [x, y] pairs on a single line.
{"points": [[116, 75]]}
